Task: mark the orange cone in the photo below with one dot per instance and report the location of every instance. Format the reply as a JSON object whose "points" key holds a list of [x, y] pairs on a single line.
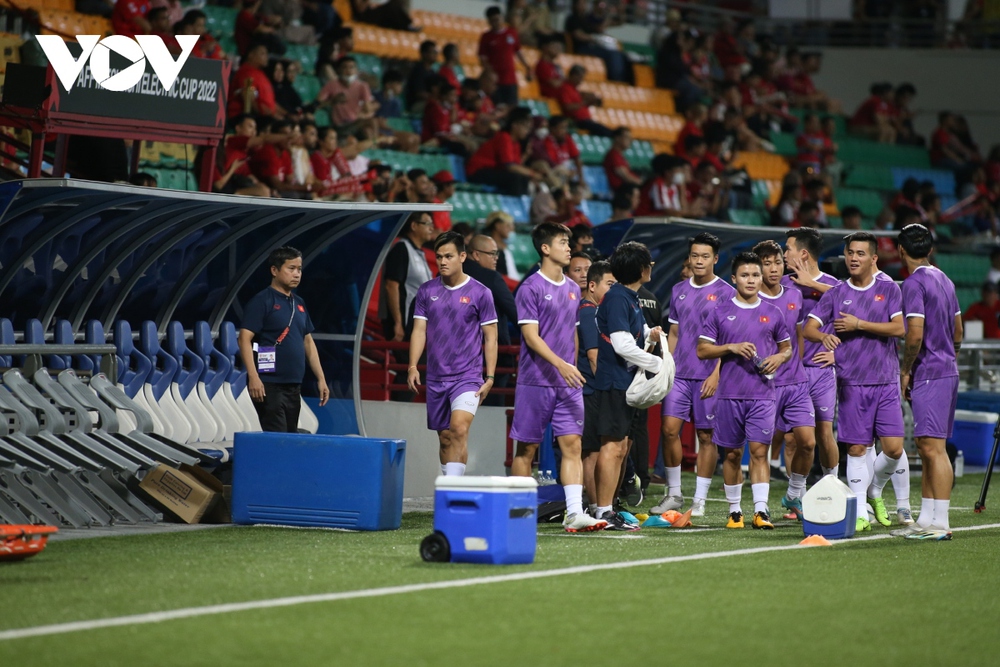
{"points": [[682, 521], [816, 541]]}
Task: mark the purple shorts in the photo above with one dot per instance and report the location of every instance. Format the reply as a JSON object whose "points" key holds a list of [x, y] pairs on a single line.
{"points": [[793, 408], [823, 392], [934, 403], [445, 397], [739, 420], [537, 407], [867, 411], [685, 399]]}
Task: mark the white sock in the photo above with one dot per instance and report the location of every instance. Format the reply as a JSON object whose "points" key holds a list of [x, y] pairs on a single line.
{"points": [[901, 482], [593, 509], [941, 514], [760, 492], [601, 511], [574, 498], [674, 481], [870, 457], [857, 479], [701, 487], [926, 517], [796, 485], [454, 469], [444, 470], [829, 471], [734, 492], [884, 469]]}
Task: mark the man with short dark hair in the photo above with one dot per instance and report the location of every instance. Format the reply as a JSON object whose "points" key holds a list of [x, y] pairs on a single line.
{"points": [[575, 103], [867, 317], [275, 342], [250, 78], [549, 385], [599, 281], [405, 271], [454, 317], [987, 310], [752, 341], [579, 266], [416, 83], [623, 334], [929, 377], [498, 47]]}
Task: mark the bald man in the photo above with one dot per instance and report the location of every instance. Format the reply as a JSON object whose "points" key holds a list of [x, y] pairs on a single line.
{"points": [[481, 264]]}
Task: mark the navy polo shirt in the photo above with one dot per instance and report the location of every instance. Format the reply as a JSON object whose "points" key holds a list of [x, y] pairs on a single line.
{"points": [[589, 340], [266, 315], [619, 311]]}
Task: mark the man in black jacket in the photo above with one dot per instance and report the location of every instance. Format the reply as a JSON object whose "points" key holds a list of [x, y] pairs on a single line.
{"points": [[481, 265]]}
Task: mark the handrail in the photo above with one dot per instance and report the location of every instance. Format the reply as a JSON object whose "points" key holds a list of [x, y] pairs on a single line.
{"points": [[34, 352]]}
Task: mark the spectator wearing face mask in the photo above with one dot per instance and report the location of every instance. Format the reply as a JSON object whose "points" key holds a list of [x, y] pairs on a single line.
{"points": [[352, 105], [664, 194]]}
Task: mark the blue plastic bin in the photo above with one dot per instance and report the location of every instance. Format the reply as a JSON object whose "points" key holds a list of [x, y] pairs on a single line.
{"points": [[973, 435], [318, 480], [487, 519]]}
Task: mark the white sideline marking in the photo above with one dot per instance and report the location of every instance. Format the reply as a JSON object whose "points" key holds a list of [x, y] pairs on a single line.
{"points": [[192, 612]]}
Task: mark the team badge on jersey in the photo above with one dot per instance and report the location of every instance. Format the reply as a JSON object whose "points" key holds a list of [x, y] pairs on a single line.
{"points": [[879, 297], [764, 319], [302, 309], [711, 297], [791, 306], [464, 299], [572, 296]]}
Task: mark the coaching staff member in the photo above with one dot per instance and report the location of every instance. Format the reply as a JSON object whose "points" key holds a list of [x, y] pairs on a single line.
{"points": [[275, 343]]}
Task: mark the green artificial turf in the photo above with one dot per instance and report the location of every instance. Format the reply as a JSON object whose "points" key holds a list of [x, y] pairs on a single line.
{"points": [[890, 602]]}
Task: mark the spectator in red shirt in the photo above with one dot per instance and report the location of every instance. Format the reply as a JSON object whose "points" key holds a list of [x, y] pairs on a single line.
{"points": [[272, 163], [695, 149], [728, 49], [873, 119], [331, 169], [252, 26], [902, 116], [129, 18], [451, 68], [987, 311], [498, 47], [815, 148], [498, 161], [695, 116], [563, 152], [947, 151], [251, 85], [567, 207], [444, 182], [232, 175], [708, 188], [474, 113], [663, 194], [441, 126], [576, 103], [616, 167], [195, 23], [548, 71]]}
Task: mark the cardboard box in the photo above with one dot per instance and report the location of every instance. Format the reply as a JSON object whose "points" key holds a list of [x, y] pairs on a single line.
{"points": [[190, 493]]}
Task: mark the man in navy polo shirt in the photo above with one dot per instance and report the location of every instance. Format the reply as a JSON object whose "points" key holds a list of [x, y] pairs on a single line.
{"points": [[275, 343]]}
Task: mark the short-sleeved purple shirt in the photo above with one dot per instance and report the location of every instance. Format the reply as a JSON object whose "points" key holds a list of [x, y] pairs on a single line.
{"points": [[554, 308], [930, 295], [690, 306], [810, 297], [789, 302], [455, 317]]}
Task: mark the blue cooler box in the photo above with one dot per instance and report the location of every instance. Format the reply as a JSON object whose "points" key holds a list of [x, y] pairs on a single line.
{"points": [[318, 480], [829, 509], [487, 519], [973, 435]]}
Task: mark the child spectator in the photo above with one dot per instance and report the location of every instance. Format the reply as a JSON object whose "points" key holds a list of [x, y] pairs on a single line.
{"points": [[389, 98], [451, 68], [873, 119], [498, 47], [986, 310], [498, 161], [815, 148], [548, 71], [233, 175], [576, 103], [616, 166]]}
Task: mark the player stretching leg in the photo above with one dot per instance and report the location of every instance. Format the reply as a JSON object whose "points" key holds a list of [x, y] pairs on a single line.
{"points": [[867, 317], [929, 377], [692, 397], [802, 249], [549, 386], [794, 412], [455, 319], [753, 342]]}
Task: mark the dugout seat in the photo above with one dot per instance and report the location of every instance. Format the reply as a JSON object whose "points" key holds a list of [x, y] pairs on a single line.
{"points": [[156, 389]]}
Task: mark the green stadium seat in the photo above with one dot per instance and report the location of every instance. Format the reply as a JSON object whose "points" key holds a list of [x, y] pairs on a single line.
{"points": [[221, 21], [760, 193], [538, 107], [852, 149], [784, 144], [967, 296], [869, 176], [308, 87], [965, 270], [524, 252], [400, 124], [368, 63], [869, 201], [840, 122], [305, 54], [744, 217]]}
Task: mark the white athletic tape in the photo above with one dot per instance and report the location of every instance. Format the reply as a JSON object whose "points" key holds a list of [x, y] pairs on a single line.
{"points": [[232, 607]]}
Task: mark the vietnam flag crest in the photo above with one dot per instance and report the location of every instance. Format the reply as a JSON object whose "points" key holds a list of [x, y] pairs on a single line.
{"points": [[464, 299], [879, 297], [572, 296], [764, 319], [791, 306], [711, 297]]}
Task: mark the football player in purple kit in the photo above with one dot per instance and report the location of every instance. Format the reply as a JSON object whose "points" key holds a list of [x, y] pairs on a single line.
{"points": [[549, 385], [454, 317], [867, 317], [752, 341], [794, 411], [802, 249], [929, 377], [692, 397]]}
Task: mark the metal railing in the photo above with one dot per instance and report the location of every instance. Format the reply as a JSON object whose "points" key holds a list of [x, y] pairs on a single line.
{"points": [[979, 365]]}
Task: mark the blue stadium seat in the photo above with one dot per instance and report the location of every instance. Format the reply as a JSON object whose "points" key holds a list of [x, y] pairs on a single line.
{"points": [[6, 338], [93, 334], [457, 167], [164, 365], [944, 181], [597, 180], [516, 207], [34, 334], [599, 212], [133, 366]]}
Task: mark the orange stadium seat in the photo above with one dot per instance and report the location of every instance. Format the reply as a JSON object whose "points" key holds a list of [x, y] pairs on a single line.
{"points": [[644, 76], [622, 96], [343, 8], [765, 166], [449, 27]]}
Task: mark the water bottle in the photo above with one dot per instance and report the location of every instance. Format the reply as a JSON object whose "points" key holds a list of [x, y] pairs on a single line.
{"points": [[759, 362], [960, 463]]}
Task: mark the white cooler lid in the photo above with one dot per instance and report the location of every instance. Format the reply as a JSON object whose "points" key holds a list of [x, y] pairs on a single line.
{"points": [[976, 417], [494, 483]]}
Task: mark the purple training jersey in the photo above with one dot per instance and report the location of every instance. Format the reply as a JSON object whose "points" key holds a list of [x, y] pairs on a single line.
{"points": [[553, 307], [733, 321], [789, 302], [690, 306], [455, 317], [863, 358], [811, 297], [930, 295]]}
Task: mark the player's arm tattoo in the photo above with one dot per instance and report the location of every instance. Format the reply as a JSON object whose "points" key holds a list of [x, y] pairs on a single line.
{"points": [[910, 351]]}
